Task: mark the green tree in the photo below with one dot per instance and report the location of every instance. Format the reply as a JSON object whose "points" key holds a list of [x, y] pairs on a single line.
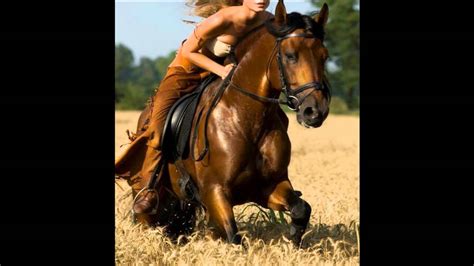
{"points": [[162, 63], [123, 69], [343, 42], [134, 97], [146, 76], [134, 85]]}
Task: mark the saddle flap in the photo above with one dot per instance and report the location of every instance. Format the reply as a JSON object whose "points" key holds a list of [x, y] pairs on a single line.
{"points": [[178, 125]]}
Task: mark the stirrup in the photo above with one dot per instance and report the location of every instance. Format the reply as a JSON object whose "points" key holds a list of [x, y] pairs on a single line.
{"points": [[155, 209]]}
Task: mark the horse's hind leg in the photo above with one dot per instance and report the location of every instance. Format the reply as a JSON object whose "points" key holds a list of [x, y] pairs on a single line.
{"points": [[221, 214], [284, 198]]}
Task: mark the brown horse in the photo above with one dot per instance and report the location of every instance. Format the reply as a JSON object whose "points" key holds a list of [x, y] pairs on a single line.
{"points": [[248, 149]]}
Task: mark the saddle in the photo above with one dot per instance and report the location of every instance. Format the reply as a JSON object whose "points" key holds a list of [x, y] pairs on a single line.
{"points": [[176, 132]]}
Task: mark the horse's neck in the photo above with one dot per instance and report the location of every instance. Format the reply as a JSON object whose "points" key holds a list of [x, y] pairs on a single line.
{"points": [[251, 72], [251, 76]]}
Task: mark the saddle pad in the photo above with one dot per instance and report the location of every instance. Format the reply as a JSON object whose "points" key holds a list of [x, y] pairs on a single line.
{"points": [[175, 139]]}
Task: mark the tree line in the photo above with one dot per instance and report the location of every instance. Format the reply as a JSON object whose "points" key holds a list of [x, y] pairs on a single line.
{"points": [[135, 84]]}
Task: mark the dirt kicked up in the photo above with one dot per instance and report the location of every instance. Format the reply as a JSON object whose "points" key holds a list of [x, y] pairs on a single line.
{"points": [[324, 167]]}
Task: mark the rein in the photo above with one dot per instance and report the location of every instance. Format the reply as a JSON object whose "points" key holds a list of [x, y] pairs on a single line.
{"points": [[216, 98]]}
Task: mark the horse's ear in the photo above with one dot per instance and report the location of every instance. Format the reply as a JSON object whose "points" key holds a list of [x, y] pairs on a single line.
{"points": [[280, 13], [322, 17]]}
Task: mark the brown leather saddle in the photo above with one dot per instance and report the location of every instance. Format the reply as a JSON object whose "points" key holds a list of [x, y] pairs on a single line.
{"points": [[176, 133], [176, 137]]}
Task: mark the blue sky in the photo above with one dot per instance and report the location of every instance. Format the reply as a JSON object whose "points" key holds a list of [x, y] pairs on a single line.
{"points": [[154, 28]]}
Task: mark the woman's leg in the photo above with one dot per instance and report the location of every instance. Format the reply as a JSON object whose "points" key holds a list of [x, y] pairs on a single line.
{"points": [[172, 88], [147, 200]]}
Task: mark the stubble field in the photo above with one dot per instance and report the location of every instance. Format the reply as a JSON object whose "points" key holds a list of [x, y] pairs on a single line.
{"points": [[324, 167]]}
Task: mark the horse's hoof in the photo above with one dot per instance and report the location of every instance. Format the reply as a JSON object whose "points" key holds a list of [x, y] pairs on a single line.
{"points": [[296, 234]]}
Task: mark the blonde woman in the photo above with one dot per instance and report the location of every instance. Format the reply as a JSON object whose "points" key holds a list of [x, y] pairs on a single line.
{"points": [[225, 23]]}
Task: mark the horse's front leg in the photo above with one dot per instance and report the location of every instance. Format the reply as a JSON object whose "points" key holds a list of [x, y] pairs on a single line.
{"points": [[220, 213], [283, 198]]}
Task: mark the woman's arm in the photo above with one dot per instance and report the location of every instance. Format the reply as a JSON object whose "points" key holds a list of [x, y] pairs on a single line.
{"points": [[209, 28]]}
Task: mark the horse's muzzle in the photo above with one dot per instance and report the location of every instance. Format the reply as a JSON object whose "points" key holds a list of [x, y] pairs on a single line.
{"points": [[311, 117]]}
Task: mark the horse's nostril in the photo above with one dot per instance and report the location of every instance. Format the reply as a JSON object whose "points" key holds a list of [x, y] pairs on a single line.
{"points": [[310, 112]]}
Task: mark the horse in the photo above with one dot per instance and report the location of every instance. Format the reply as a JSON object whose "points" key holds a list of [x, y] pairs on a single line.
{"points": [[245, 137]]}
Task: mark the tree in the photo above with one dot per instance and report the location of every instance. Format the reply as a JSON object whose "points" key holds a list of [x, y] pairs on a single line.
{"points": [[123, 69], [343, 42], [146, 76], [162, 63], [123, 62], [134, 85]]}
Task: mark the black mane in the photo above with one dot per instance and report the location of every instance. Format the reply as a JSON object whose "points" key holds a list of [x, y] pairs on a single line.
{"points": [[297, 21]]}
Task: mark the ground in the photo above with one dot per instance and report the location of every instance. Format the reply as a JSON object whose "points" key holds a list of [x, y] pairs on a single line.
{"points": [[324, 167]]}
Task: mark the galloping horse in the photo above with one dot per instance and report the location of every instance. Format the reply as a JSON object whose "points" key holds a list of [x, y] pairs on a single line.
{"points": [[248, 148]]}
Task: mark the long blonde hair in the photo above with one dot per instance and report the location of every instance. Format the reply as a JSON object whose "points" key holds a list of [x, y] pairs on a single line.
{"points": [[206, 8]]}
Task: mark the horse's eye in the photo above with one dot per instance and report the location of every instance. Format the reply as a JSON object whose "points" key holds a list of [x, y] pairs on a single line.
{"points": [[291, 57]]}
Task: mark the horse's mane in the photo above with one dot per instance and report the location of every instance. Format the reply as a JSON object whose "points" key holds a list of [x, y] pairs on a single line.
{"points": [[251, 37], [297, 21]]}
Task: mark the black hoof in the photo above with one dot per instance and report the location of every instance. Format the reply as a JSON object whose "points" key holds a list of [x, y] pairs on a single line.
{"points": [[296, 233]]}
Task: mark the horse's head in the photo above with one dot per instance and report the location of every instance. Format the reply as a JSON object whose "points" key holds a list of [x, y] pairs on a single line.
{"points": [[299, 69]]}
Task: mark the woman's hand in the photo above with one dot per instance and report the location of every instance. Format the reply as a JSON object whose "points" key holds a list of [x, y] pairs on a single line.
{"points": [[226, 70]]}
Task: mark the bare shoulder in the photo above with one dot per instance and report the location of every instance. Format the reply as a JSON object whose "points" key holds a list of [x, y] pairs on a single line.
{"points": [[229, 14], [212, 26], [217, 20]]}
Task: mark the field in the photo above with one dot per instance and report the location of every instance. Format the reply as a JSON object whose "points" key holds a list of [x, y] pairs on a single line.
{"points": [[324, 167]]}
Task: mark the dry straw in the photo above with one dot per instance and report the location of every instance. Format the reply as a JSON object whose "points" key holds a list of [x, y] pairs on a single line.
{"points": [[324, 167]]}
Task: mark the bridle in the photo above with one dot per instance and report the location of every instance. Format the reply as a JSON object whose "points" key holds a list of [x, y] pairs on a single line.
{"points": [[291, 94]]}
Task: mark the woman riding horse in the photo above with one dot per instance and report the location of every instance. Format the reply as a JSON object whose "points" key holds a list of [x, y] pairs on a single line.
{"points": [[202, 52], [248, 151]]}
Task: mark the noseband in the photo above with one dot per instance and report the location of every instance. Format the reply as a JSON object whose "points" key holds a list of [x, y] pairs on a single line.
{"points": [[291, 95]]}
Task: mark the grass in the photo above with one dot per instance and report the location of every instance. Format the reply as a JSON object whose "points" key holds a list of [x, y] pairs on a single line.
{"points": [[265, 234]]}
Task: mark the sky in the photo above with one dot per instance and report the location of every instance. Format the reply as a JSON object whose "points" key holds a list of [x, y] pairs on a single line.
{"points": [[152, 28]]}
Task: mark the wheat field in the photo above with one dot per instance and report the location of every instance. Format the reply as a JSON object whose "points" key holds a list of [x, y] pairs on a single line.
{"points": [[324, 167]]}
